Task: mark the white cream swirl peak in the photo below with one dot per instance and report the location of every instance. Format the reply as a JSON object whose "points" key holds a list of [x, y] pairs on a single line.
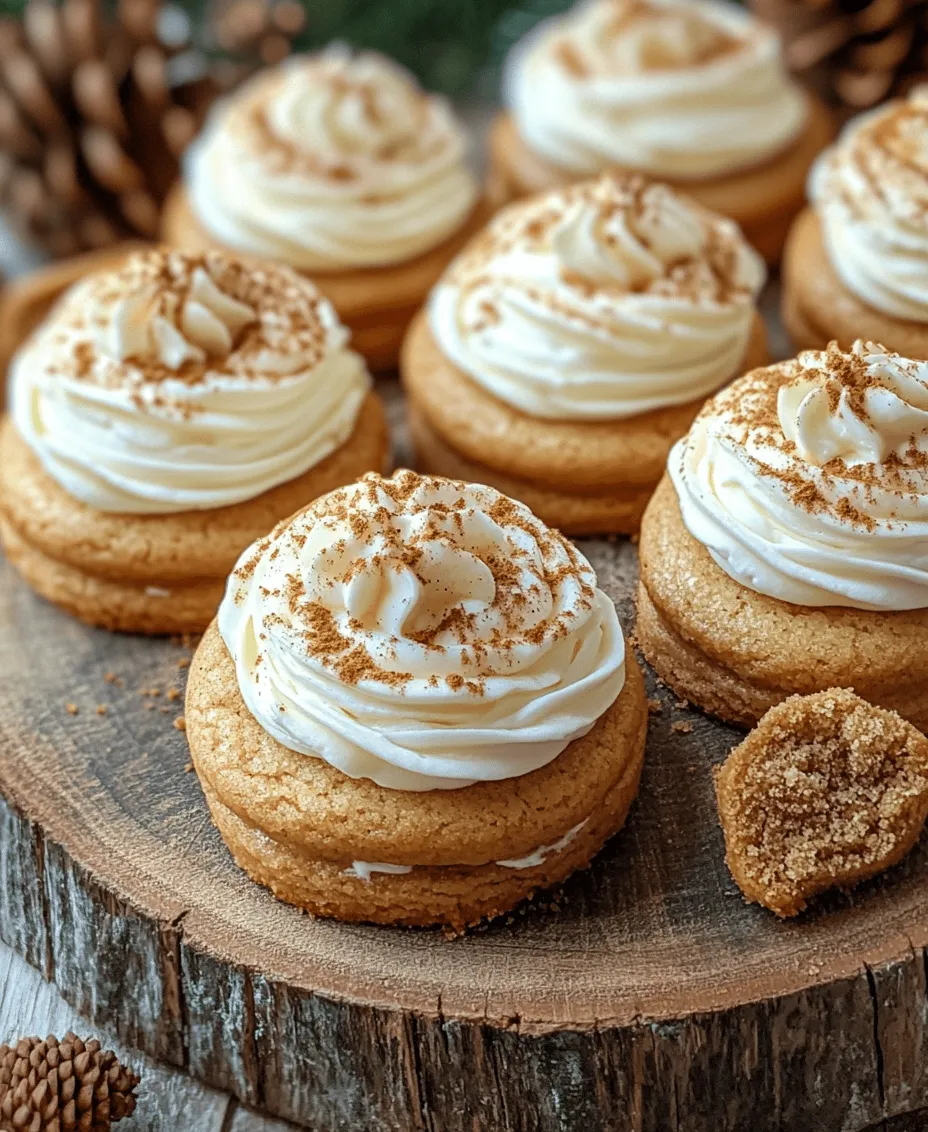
{"points": [[679, 89], [423, 633], [180, 382], [808, 481], [331, 162], [605, 300]]}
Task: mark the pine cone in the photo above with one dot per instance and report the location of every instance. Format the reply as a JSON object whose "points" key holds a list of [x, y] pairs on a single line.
{"points": [[92, 124], [68, 1087], [856, 52]]}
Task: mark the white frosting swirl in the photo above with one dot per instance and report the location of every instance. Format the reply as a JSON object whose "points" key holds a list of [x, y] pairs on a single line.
{"points": [[808, 481], [180, 382], [331, 162], [680, 89], [423, 633], [870, 191], [605, 300]]}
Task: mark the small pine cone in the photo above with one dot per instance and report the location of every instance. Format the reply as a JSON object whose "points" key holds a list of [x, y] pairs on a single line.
{"points": [[97, 104], [68, 1086]]}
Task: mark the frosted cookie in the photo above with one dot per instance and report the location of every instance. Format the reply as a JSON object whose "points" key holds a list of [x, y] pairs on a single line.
{"points": [[415, 706], [339, 166], [574, 341], [825, 792], [787, 550], [691, 92], [856, 265], [164, 415]]}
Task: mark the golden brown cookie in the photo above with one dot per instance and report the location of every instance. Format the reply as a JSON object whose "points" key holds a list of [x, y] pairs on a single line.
{"points": [[375, 303], [817, 308], [151, 573], [304, 829], [764, 200], [459, 429], [735, 653], [825, 792]]}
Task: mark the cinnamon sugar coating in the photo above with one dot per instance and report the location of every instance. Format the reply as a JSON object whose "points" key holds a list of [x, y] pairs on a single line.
{"points": [[825, 792]]}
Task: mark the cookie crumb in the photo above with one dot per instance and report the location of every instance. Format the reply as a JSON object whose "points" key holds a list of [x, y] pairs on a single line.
{"points": [[654, 707], [184, 662], [180, 724], [681, 705], [682, 727], [173, 694], [101, 709], [112, 678], [72, 709], [188, 767], [826, 791]]}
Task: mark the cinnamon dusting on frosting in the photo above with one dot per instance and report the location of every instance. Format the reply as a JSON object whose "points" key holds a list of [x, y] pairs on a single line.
{"points": [[661, 38], [888, 152], [622, 207], [378, 512], [421, 632], [108, 328], [376, 113], [752, 412]]}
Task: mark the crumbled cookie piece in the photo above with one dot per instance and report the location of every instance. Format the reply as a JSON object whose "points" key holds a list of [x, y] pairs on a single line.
{"points": [[826, 791]]}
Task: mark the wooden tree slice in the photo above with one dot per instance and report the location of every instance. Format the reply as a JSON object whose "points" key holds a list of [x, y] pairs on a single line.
{"points": [[650, 998]]}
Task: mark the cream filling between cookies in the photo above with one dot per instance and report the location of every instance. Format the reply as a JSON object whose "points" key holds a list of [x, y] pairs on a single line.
{"points": [[674, 88], [364, 870]]}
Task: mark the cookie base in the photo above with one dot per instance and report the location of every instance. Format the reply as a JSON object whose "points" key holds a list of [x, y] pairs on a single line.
{"points": [[290, 821], [764, 199], [152, 574], [817, 308], [617, 511], [735, 653], [583, 477]]}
